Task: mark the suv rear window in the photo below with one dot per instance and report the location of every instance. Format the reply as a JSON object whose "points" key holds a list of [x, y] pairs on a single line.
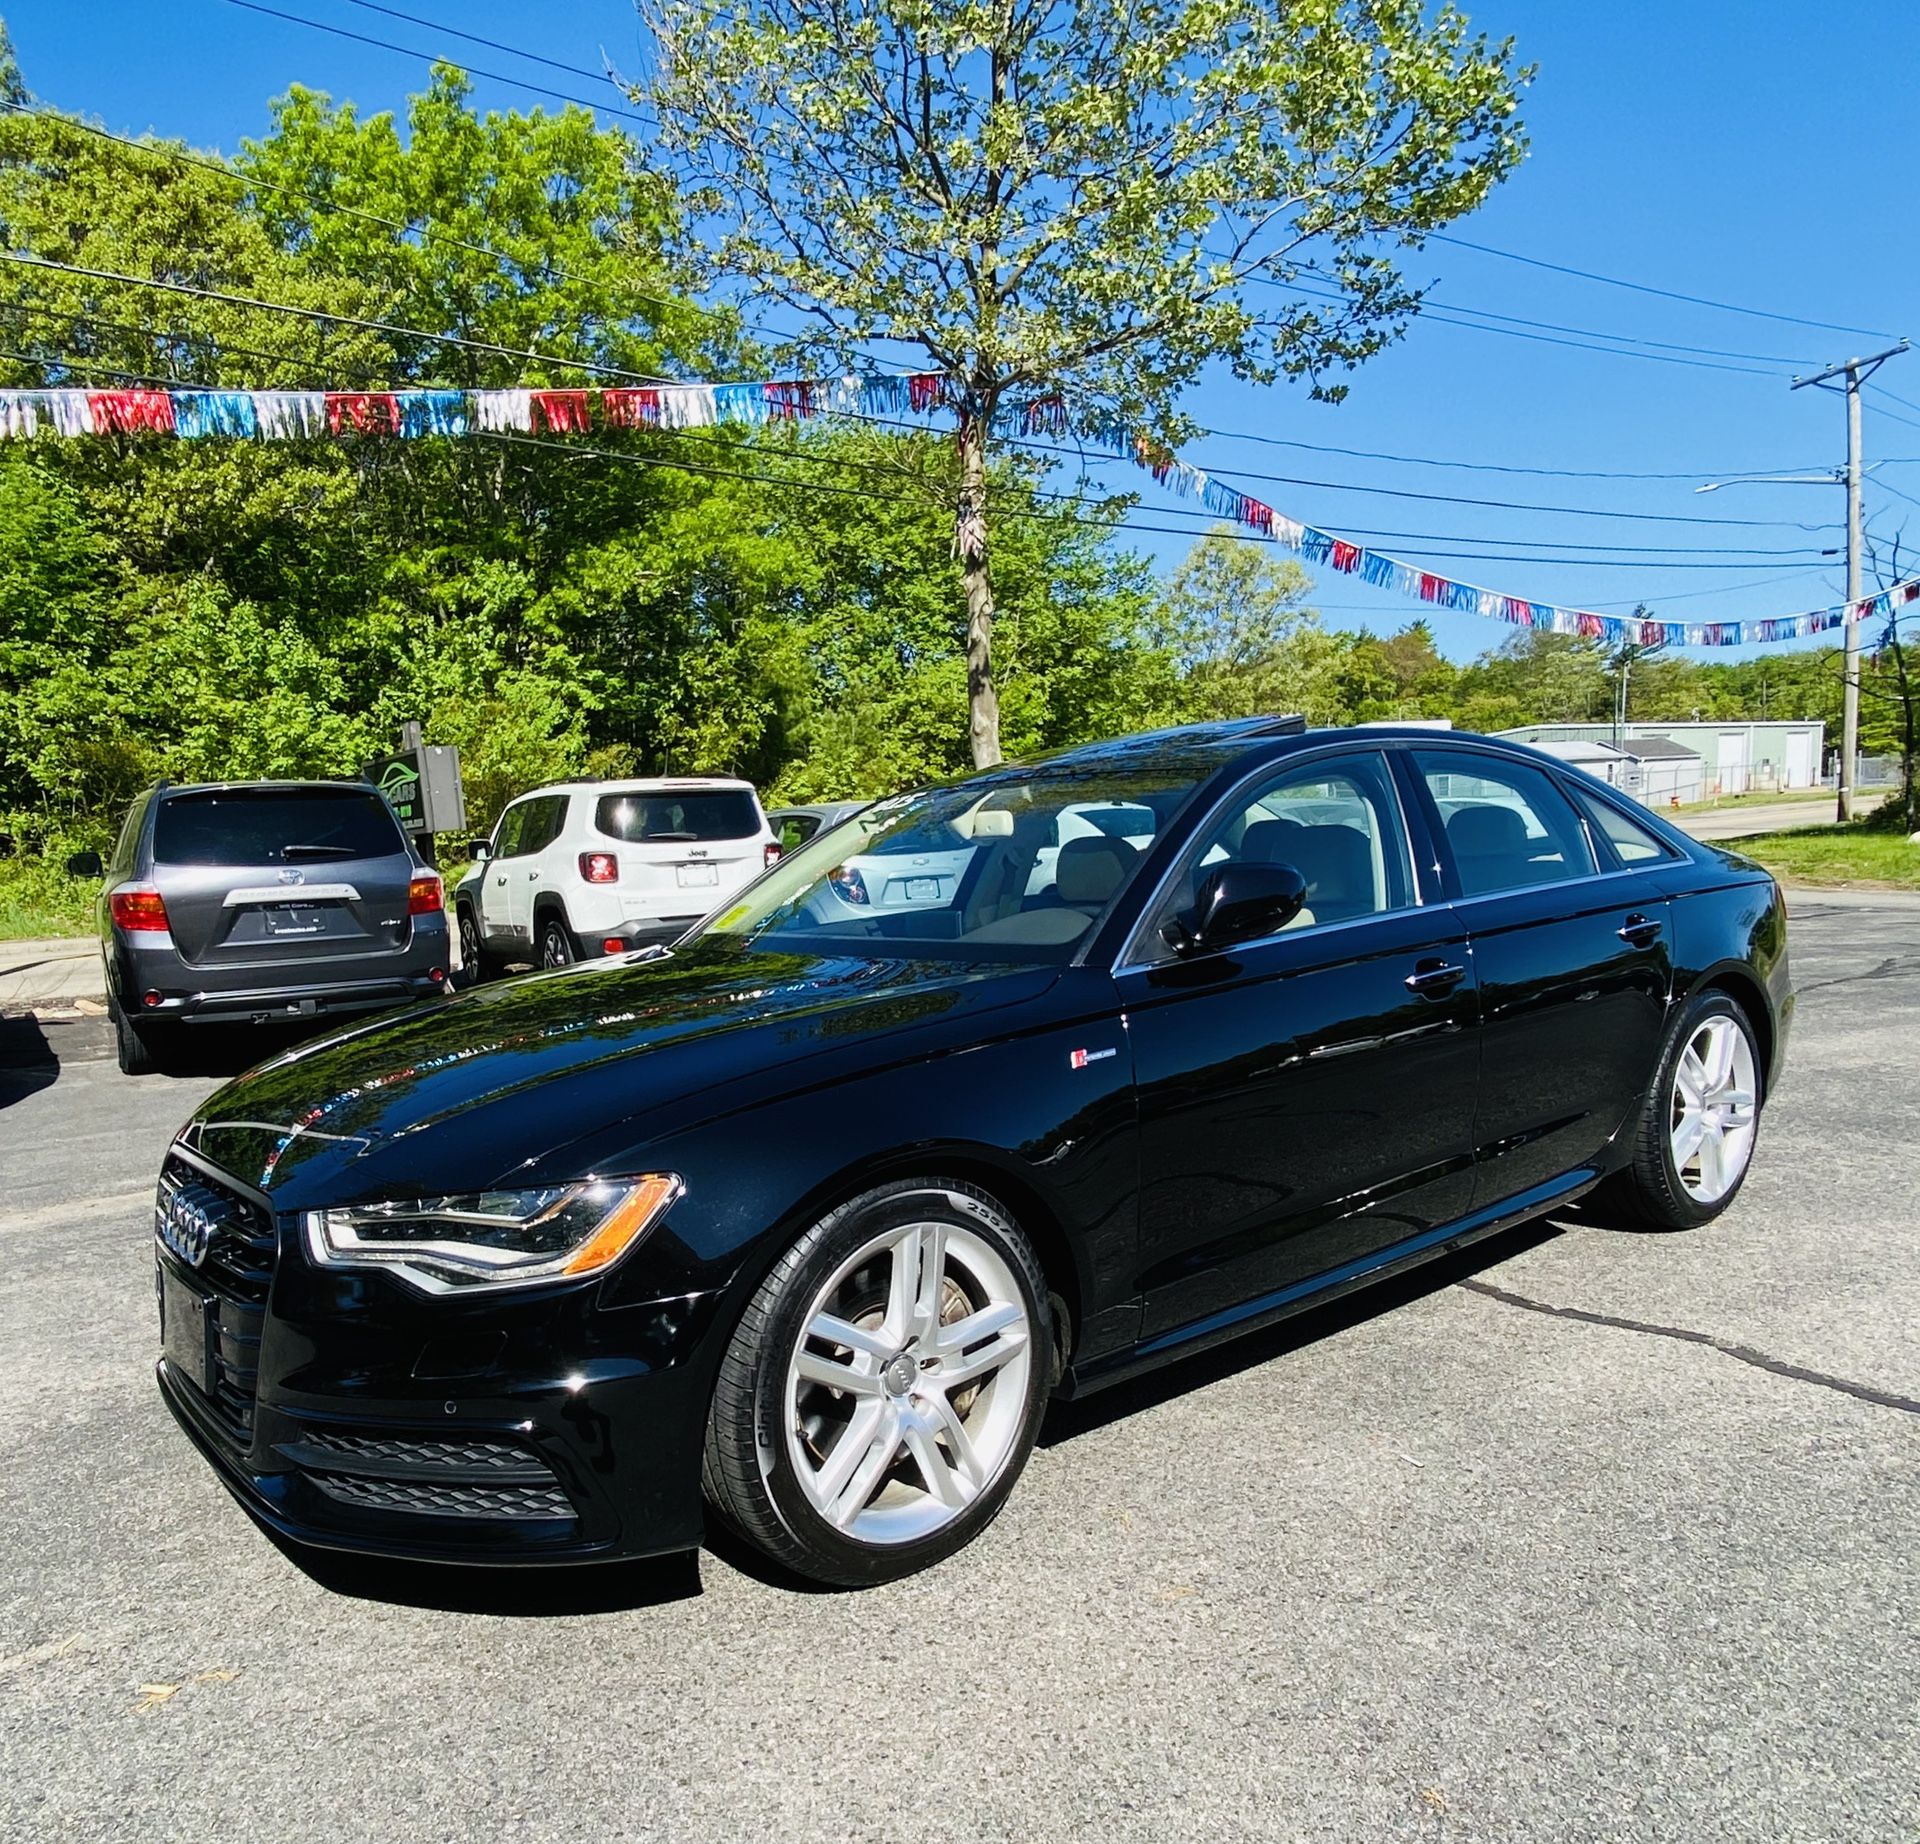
{"points": [[672, 818], [275, 826]]}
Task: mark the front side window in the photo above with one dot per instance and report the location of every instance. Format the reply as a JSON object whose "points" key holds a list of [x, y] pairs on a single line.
{"points": [[546, 818], [1507, 825], [294, 825], [1335, 822], [1015, 867], [510, 838]]}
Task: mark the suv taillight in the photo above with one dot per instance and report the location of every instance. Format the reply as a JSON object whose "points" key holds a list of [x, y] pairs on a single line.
{"points": [[138, 907], [772, 853], [600, 867], [423, 895]]}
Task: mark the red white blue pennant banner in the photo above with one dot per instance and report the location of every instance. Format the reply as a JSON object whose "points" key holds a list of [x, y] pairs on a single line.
{"points": [[294, 415]]}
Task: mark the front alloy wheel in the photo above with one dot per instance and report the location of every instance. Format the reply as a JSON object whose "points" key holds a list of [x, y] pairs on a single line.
{"points": [[885, 1386]]}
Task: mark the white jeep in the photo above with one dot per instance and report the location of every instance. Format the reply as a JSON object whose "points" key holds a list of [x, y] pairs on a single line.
{"points": [[598, 867]]}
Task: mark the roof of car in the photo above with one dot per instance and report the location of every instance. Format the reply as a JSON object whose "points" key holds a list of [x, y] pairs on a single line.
{"points": [[1205, 746], [263, 787], [640, 784]]}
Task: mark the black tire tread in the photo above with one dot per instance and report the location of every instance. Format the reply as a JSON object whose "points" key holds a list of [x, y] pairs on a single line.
{"points": [[133, 1049]]}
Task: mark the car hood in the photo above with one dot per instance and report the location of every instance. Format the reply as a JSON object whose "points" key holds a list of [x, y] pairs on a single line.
{"points": [[472, 1089]]}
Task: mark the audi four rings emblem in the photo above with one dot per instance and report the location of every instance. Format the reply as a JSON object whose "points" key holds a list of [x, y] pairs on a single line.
{"points": [[186, 1226]]}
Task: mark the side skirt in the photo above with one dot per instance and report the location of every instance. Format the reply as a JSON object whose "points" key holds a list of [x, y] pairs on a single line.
{"points": [[1268, 1309]]}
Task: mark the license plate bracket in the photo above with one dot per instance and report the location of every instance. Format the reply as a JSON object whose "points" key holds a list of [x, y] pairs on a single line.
{"points": [[923, 889], [698, 876], [187, 1329], [289, 920]]}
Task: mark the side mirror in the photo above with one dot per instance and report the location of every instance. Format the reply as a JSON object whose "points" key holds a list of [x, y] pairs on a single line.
{"points": [[1239, 902], [85, 864], [479, 850]]}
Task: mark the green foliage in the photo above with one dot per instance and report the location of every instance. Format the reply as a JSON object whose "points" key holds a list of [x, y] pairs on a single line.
{"points": [[1861, 856]]}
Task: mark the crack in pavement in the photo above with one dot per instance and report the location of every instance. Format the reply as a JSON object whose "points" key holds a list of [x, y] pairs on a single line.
{"points": [[1892, 968], [1745, 1354]]}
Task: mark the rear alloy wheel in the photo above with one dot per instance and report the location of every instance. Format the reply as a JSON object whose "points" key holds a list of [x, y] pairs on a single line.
{"points": [[556, 943], [132, 1043], [1699, 1124], [473, 952], [885, 1386]]}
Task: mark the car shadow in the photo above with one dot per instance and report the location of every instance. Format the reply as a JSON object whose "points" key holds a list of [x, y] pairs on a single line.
{"points": [[228, 1050], [28, 1061], [1068, 1420], [506, 1593]]}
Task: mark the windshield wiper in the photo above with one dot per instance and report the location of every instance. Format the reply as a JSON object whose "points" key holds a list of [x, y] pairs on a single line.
{"points": [[319, 851]]}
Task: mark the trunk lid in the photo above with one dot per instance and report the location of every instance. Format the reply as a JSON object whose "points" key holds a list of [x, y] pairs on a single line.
{"points": [[273, 875], [681, 851]]}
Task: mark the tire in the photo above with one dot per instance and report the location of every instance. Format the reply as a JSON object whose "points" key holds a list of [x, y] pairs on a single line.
{"points": [[557, 945], [475, 962], [897, 1470], [1666, 1186], [133, 1043]]}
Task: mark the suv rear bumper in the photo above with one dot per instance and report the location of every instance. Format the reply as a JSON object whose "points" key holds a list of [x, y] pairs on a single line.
{"points": [[646, 932], [259, 992]]}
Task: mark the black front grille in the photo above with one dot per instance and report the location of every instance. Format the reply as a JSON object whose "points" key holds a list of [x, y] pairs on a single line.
{"points": [[493, 1455], [447, 1498], [238, 1273], [434, 1475]]}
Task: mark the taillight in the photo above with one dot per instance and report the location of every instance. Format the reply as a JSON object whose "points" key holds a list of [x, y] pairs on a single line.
{"points": [[771, 855], [423, 895], [846, 882], [600, 867], [139, 907]]}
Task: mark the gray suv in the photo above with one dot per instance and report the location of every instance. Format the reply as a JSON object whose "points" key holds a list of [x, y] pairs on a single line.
{"points": [[262, 901]]}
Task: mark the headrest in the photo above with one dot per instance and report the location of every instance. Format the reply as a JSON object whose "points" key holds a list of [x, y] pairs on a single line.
{"points": [[1091, 870], [1338, 867], [1270, 841], [1487, 832]]}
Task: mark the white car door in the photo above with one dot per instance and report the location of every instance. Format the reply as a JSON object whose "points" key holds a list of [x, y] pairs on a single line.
{"points": [[536, 868]]}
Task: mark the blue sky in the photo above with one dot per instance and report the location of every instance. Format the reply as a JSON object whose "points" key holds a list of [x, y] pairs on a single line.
{"points": [[1755, 154]]}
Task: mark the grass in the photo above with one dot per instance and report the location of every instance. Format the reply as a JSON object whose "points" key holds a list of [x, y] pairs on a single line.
{"points": [[38, 900], [1836, 857]]}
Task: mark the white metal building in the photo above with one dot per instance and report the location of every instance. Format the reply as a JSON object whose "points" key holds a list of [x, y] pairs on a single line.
{"points": [[1737, 757]]}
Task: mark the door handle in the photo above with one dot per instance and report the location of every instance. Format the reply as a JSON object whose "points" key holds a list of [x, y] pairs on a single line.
{"points": [[533, 877], [1641, 931], [1435, 977]]}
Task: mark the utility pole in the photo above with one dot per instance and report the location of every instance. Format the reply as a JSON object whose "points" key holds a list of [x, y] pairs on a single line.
{"points": [[1854, 372]]}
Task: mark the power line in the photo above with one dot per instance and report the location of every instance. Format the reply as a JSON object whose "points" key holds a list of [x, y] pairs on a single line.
{"points": [[315, 313], [1442, 315], [585, 451], [254, 182], [1487, 467], [491, 44], [1667, 294], [433, 57]]}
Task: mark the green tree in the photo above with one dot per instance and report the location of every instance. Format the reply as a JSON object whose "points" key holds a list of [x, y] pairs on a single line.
{"points": [[1235, 622], [1078, 200]]}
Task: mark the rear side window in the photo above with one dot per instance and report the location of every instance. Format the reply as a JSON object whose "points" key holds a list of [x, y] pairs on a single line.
{"points": [[275, 826], [1632, 842], [1507, 825], [675, 817]]}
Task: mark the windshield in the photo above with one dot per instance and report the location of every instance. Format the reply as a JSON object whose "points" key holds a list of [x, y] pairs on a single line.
{"points": [[1016, 867], [275, 826]]}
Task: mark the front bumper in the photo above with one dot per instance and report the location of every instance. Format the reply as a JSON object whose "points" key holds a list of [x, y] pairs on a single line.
{"points": [[536, 1430]]}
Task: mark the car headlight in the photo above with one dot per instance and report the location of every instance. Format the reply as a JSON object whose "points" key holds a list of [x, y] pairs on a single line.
{"points": [[494, 1238]]}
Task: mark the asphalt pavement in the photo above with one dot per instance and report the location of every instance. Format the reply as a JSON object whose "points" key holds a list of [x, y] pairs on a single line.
{"points": [[1588, 1535]]}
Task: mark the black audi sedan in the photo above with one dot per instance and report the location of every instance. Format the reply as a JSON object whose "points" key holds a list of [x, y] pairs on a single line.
{"points": [[802, 1222]]}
